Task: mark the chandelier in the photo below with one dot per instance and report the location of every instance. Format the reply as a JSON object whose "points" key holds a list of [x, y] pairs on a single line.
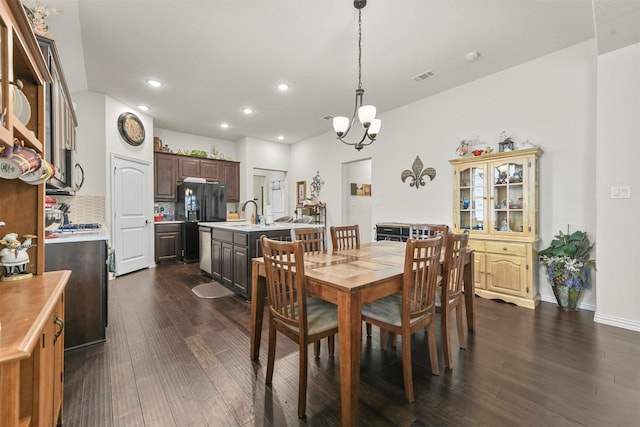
{"points": [[366, 113]]}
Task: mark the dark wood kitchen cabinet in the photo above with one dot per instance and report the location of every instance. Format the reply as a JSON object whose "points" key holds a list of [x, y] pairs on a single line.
{"points": [[171, 169], [231, 178], [86, 293], [168, 242], [165, 177], [231, 253]]}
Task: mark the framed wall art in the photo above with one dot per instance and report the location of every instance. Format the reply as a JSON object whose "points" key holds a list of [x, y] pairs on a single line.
{"points": [[301, 191]]}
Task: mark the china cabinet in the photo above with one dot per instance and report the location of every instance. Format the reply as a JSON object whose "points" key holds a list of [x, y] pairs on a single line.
{"points": [[22, 204], [495, 198]]}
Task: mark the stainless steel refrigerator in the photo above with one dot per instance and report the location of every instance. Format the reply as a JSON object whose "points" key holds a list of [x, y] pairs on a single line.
{"points": [[199, 202]]}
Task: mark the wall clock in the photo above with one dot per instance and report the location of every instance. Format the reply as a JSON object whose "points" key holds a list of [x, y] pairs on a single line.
{"points": [[131, 128]]}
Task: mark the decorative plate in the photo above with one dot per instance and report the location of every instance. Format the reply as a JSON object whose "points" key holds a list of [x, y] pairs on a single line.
{"points": [[131, 128]]}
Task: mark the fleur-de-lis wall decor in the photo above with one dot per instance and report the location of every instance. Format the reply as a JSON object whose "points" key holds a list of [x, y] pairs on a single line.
{"points": [[417, 173]]}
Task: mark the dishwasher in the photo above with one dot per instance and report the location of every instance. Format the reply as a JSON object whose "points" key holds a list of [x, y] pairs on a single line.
{"points": [[205, 250]]}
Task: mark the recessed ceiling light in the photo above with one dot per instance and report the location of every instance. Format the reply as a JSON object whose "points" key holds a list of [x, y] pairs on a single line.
{"points": [[154, 83], [472, 56], [280, 137], [143, 107], [283, 87], [224, 125], [247, 110]]}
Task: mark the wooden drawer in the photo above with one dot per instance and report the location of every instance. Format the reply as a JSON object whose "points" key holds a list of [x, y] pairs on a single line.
{"points": [[477, 245], [168, 228], [222, 235], [506, 248], [241, 239]]}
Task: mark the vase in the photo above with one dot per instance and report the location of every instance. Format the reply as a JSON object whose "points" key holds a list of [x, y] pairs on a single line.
{"points": [[567, 297]]}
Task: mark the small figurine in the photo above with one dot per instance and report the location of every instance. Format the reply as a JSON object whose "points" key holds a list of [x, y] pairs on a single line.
{"points": [[14, 257]]}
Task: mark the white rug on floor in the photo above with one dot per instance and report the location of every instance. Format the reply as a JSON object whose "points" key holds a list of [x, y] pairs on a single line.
{"points": [[211, 290]]}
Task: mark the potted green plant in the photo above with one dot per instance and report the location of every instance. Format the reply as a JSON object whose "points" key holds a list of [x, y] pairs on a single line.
{"points": [[568, 266]]}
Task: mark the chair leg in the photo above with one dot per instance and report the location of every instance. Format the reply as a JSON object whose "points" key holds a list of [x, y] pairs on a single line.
{"points": [[368, 326], [394, 339], [407, 372], [460, 321], [446, 339], [302, 383], [433, 350], [271, 357], [383, 338], [316, 349], [331, 340]]}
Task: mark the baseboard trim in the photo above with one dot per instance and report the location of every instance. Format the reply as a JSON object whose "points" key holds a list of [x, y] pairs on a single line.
{"points": [[582, 306], [618, 322]]}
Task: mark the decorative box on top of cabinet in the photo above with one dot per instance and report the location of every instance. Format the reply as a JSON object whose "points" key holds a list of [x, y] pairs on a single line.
{"points": [[495, 198]]}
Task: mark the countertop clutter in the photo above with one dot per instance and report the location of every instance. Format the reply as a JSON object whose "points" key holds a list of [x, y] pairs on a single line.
{"points": [[78, 233]]}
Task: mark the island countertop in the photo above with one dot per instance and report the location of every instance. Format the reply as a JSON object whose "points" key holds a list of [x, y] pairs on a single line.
{"points": [[247, 227]]}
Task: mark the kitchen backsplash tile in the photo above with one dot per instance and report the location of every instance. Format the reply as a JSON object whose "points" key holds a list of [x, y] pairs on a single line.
{"points": [[85, 209]]}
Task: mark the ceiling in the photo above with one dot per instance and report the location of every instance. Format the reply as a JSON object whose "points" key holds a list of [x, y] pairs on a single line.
{"points": [[217, 56]]}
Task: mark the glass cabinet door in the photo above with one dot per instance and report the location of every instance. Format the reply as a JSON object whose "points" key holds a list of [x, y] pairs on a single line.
{"points": [[508, 197], [472, 198]]}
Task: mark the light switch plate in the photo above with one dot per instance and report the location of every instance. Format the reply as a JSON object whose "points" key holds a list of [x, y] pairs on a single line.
{"points": [[621, 192]]}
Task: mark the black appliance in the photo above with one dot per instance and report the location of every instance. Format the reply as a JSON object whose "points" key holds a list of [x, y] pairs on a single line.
{"points": [[199, 202]]}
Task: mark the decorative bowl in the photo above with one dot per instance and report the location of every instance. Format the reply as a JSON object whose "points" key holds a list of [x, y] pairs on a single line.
{"points": [[477, 152]]}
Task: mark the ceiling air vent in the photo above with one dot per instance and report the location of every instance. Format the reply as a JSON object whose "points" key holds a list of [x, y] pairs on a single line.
{"points": [[423, 76]]}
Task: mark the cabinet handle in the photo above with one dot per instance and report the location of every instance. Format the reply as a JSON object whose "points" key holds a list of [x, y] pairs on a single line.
{"points": [[58, 321]]}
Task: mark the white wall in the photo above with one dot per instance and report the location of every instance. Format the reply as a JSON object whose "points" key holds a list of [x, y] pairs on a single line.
{"points": [[187, 142], [618, 232], [550, 101]]}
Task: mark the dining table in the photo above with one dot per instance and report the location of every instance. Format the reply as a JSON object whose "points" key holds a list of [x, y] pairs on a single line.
{"points": [[349, 279]]}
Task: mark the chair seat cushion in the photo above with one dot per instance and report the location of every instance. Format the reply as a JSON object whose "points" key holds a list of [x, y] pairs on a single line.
{"points": [[321, 316], [387, 310]]}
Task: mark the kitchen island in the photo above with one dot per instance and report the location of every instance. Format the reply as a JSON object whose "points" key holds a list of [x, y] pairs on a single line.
{"points": [[226, 250]]}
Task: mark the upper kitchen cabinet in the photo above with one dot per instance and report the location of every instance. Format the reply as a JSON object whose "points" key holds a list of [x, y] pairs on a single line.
{"points": [[23, 74], [231, 177], [165, 177], [496, 199], [171, 169], [60, 122]]}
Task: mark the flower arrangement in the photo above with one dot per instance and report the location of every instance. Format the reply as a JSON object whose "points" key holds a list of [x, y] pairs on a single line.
{"points": [[567, 261], [37, 15]]}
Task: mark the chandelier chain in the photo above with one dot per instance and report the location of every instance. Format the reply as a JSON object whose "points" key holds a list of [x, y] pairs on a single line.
{"points": [[359, 48]]}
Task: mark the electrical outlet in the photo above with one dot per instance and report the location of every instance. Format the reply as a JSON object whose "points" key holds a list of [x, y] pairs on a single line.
{"points": [[621, 192]]}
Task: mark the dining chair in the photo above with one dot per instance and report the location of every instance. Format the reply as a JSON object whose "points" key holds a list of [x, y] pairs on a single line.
{"points": [[306, 219], [292, 312], [313, 239], [449, 296], [345, 237], [405, 312], [424, 231]]}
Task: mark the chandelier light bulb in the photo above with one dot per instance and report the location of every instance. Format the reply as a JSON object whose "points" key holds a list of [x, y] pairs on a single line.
{"points": [[366, 114], [340, 125], [374, 128]]}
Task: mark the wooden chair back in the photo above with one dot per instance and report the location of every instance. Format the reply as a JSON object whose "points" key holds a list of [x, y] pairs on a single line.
{"points": [[454, 259], [425, 231], [421, 267], [286, 288], [345, 237], [313, 239]]}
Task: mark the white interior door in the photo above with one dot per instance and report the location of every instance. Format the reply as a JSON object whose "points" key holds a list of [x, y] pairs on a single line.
{"points": [[132, 214], [358, 208]]}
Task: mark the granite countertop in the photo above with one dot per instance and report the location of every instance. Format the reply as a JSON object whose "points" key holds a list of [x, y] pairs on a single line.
{"points": [[85, 236], [248, 227], [168, 222]]}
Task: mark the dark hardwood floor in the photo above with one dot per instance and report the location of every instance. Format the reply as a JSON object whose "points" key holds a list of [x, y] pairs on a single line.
{"points": [[172, 358]]}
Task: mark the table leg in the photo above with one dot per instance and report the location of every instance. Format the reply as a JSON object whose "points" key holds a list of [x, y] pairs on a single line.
{"points": [[469, 290], [258, 286], [349, 331]]}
